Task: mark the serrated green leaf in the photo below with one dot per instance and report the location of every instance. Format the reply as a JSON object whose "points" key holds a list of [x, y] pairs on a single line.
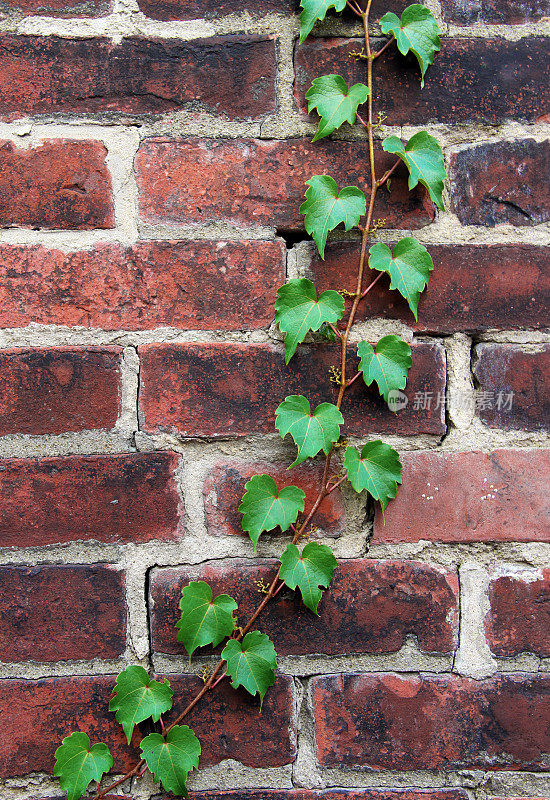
{"points": [[335, 103], [314, 10], [424, 159], [251, 662], [137, 697], [409, 268], [377, 469], [325, 208], [308, 571], [311, 432], [265, 507], [388, 365], [204, 620], [172, 757], [417, 31], [77, 764], [297, 310]]}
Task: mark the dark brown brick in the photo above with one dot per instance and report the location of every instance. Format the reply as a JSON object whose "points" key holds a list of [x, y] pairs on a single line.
{"points": [[58, 8], [435, 723], [59, 184], [196, 9], [466, 12], [52, 613], [519, 616], [332, 794], [205, 389], [120, 498]]}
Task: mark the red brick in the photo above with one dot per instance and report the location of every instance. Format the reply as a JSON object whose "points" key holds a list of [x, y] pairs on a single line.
{"points": [[464, 12], [435, 723], [193, 285], [41, 75], [471, 80], [502, 182], [114, 498], [333, 794], [60, 389], [53, 613], [205, 389], [370, 607], [259, 182], [513, 386], [471, 288], [59, 184], [469, 497], [519, 617], [196, 9], [59, 8]]}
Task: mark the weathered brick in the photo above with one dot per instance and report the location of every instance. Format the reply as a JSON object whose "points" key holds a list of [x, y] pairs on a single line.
{"points": [[205, 389], [469, 497], [513, 386], [58, 8], [52, 613], [435, 723], [59, 389], [193, 285], [59, 184], [471, 80], [466, 12], [333, 794], [195, 9], [259, 182], [114, 498], [370, 606], [519, 617], [502, 182], [41, 75]]}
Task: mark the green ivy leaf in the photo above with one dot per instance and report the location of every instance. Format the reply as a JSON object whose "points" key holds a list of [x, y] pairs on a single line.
{"points": [[77, 764], [297, 310], [314, 10], [388, 365], [264, 507], [417, 31], [137, 697], [424, 159], [308, 571], [325, 208], [172, 757], [204, 620], [334, 102], [311, 432], [377, 469], [326, 332], [251, 662], [409, 268]]}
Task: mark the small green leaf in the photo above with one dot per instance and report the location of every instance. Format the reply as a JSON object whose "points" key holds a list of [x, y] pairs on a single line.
{"points": [[251, 663], [424, 159], [417, 31], [297, 310], [77, 764], [204, 620], [334, 102], [377, 469], [264, 507], [325, 208], [308, 571], [314, 10], [311, 432], [172, 757], [326, 332], [388, 365], [137, 697], [409, 268]]}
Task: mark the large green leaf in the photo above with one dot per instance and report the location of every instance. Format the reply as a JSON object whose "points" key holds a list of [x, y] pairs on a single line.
{"points": [[424, 159], [314, 10], [409, 268], [204, 620], [388, 365], [77, 764], [297, 310], [325, 208], [311, 432], [251, 662], [137, 697], [308, 571], [417, 31], [265, 507], [377, 469], [335, 103], [172, 757]]}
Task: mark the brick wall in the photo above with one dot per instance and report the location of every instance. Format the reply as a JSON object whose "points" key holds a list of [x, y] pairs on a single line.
{"points": [[152, 159]]}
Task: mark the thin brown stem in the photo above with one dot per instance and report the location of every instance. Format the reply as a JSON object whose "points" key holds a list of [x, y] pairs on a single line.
{"points": [[388, 174], [335, 329], [382, 49], [354, 7], [352, 380], [369, 287]]}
